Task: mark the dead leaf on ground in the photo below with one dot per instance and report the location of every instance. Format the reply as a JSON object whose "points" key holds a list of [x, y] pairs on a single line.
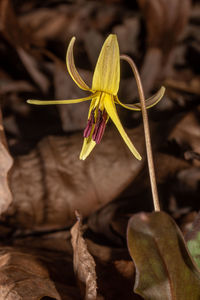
{"points": [[73, 117], [192, 86], [114, 269], [15, 86], [93, 49], [105, 227], [115, 280], [5, 194], [33, 68], [167, 166], [186, 133], [106, 253], [84, 264], [47, 24], [34, 267], [127, 34], [5, 166], [20, 39], [50, 183], [9, 25], [52, 251], [125, 267], [23, 276], [165, 21]]}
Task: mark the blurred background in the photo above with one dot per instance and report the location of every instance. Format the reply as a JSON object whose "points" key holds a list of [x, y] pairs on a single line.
{"points": [[47, 181], [161, 37]]}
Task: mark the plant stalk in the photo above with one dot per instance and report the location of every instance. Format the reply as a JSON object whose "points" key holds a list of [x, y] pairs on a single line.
{"points": [[146, 133]]}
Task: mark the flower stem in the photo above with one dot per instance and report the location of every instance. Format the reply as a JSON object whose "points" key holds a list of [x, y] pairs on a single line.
{"points": [[146, 133]]}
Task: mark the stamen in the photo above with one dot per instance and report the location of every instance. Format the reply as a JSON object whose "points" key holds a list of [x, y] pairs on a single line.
{"points": [[98, 122], [99, 127], [90, 122]]}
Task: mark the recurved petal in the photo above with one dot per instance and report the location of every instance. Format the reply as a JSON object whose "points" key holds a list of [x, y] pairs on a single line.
{"points": [[107, 72], [111, 110], [150, 102], [70, 101], [72, 69], [88, 146]]}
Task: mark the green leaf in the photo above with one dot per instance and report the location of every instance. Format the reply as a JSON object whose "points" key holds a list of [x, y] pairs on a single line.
{"points": [[193, 240], [164, 268]]}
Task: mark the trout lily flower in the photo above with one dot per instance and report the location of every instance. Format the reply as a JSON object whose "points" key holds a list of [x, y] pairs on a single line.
{"points": [[103, 96]]}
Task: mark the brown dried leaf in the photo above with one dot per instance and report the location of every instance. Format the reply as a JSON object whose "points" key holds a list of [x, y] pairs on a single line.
{"points": [[187, 223], [111, 220], [50, 183], [17, 86], [127, 34], [115, 280], [125, 267], [47, 23], [192, 86], [186, 133], [114, 271], [5, 165], [20, 39], [84, 264], [9, 26], [165, 21], [72, 117], [32, 66], [105, 254], [168, 165], [93, 49], [53, 251], [23, 276]]}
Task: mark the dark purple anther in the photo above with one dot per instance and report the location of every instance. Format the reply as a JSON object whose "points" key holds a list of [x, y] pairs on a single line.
{"points": [[98, 122], [90, 122], [99, 127]]}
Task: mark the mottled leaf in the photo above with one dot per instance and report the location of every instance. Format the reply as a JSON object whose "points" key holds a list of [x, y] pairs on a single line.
{"points": [[164, 268], [193, 240]]}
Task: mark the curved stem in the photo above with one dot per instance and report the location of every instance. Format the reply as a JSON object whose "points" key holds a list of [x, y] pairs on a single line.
{"points": [[146, 133]]}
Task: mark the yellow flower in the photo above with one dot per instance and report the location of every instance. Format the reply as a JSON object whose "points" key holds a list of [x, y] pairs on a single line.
{"points": [[103, 96]]}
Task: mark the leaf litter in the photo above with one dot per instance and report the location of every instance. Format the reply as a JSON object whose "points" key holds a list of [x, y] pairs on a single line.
{"points": [[84, 264], [42, 180]]}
